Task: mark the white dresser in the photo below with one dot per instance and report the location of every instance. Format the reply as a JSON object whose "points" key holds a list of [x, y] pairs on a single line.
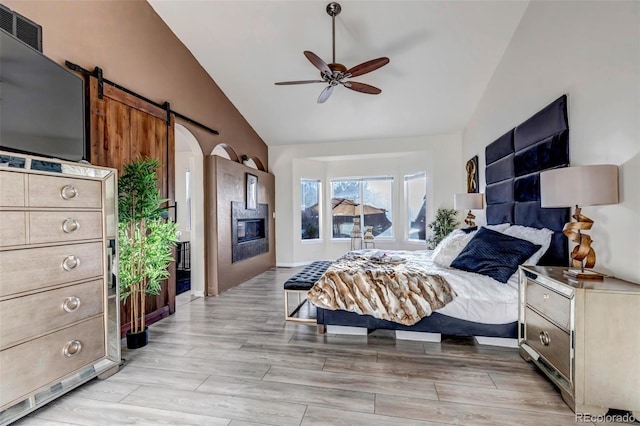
{"points": [[59, 307], [585, 336]]}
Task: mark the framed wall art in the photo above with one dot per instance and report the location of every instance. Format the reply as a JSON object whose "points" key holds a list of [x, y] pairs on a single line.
{"points": [[472, 174], [252, 192]]}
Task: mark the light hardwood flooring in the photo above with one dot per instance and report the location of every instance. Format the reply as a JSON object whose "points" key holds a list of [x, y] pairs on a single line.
{"points": [[232, 360]]}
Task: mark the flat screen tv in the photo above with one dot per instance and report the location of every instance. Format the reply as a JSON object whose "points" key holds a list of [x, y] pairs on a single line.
{"points": [[41, 104]]}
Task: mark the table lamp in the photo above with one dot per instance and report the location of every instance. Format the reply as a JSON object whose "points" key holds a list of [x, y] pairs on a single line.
{"points": [[580, 186], [470, 201]]}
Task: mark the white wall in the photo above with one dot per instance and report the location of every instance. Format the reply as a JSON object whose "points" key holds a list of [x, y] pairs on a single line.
{"points": [[439, 156], [182, 160], [590, 51]]}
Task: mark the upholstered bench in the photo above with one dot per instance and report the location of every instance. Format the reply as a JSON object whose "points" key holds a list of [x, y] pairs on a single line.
{"points": [[299, 284]]}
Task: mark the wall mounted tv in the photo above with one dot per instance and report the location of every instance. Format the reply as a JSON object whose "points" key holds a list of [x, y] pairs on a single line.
{"points": [[41, 104]]}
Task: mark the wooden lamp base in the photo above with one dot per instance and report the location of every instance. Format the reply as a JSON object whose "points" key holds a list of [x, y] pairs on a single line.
{"points": [[580, 274]]}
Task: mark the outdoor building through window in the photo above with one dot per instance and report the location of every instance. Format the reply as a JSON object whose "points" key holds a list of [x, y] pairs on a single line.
{"points": [[310, 209], [415, 193], [370, 199]]}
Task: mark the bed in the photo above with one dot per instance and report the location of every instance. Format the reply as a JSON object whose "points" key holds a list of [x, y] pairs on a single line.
{"points": [[483, 308]]}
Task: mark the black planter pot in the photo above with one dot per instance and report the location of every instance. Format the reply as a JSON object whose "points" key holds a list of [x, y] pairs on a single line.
{"points": [[137, 340]]}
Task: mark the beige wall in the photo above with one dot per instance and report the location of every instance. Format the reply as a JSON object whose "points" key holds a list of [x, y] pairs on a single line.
{"points": [[397, 157], [591, 52], [226, 183], [137, 50]]}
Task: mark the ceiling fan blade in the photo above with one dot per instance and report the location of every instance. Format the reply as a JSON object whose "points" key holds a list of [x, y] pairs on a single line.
{"points": [[284, 83], [368, 66], [317, 62], [361, 87], [324, 95]]}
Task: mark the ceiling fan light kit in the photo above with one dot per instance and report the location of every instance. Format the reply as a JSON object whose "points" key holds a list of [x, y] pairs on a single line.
{"points": [[335, 74]]}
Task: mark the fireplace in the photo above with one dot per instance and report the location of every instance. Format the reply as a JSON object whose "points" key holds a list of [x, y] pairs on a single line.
{"points": [[250, 231]]}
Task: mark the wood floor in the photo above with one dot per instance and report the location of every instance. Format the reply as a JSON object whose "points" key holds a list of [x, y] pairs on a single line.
{"points": [[232, 360]]}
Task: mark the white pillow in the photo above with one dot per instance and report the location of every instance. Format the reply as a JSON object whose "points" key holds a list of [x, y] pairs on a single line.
{"points": [[501, 227], [534, 235], [451, 246]]}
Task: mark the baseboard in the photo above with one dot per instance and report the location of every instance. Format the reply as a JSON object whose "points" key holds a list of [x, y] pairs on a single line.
{"points": [[292, 265], [352, 331], [297, 264], [197, 293], [503, 342], [418, 336]]}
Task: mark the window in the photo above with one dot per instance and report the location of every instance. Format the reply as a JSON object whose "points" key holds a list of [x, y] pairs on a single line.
{"points": [[370, 199], [415, 193], [310, 209], [187, 179]]}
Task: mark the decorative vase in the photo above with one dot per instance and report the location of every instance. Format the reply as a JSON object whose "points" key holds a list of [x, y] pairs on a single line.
{"points": [[368, 235], [137, 340]]}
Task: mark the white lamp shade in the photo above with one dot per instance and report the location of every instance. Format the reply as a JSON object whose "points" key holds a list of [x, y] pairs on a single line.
{"points": [[468, 200], [581, 185]]}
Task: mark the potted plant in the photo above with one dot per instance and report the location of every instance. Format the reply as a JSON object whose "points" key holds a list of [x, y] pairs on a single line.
{"points": [[145, 241], [442, 225]]}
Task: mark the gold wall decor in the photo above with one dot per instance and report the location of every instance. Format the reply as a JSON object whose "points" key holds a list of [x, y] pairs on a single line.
{"points": [[472, 174]]}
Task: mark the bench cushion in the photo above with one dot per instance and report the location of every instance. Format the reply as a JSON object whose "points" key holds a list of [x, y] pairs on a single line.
{"points": [[306, 278]]}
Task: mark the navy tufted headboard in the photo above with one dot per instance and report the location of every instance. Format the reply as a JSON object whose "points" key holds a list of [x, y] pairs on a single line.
{"points": [[513, 165]]}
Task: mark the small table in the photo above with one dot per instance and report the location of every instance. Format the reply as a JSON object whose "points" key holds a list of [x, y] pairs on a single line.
{"points": [[583, 334]]}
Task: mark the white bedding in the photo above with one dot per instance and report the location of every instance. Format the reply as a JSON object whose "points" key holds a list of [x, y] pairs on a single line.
{"points": [[479, 298]]}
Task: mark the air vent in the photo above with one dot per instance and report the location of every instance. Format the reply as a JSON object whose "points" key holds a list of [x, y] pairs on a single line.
{"points": [[20, 27]]}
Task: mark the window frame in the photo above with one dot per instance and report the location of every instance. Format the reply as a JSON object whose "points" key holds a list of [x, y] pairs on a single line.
{"points": [[407, 228], [320, 211]]}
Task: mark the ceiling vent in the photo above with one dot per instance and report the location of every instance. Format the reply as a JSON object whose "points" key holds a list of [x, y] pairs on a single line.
{"points": [[20, 27]]}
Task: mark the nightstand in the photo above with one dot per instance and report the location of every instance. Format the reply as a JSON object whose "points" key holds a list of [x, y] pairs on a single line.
{"points": [[584, 335]]}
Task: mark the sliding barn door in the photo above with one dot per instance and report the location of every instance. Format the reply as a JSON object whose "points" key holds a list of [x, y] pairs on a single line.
{"points": [[122, 127]]}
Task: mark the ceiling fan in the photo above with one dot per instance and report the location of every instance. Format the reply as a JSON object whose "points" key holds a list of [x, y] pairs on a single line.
{"points": [[334, 73]]}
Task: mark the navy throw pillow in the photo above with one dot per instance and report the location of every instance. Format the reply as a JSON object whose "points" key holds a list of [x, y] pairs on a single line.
{"points": [[494, 254]]}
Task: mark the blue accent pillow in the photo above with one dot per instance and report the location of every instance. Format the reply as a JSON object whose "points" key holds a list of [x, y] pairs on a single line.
{"points": [[494, 254]]}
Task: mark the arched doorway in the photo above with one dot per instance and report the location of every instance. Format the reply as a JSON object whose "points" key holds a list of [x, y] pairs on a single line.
{"points": [[189, 190]]}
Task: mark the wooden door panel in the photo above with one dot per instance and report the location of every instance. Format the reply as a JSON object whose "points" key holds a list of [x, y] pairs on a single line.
{"points": [[122, 127]]}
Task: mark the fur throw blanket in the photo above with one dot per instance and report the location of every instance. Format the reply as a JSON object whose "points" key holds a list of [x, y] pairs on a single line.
{"points": [[389, 285]]}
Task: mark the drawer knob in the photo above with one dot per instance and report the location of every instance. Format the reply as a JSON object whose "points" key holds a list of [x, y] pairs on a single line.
{"points": [[70, 262], [68, 192], [545, 339], [72, 348], [70, 225], [545, 296], [72, 303]]}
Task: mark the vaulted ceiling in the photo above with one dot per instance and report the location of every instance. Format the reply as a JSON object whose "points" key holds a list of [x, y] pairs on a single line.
{"points": [[442, 56]]}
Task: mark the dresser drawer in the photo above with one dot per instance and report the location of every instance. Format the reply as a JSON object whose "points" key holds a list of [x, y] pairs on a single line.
{"points": [[26, 317], [62, 226], [35, 268], [54, 191], [12, 228], [36, 363], [553, 305], [11, 189], [553, 343]]}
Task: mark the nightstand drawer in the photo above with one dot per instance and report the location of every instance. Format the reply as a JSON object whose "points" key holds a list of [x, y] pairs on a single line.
{"points": [[13, 229], [65, 192], [26, 317], [11, 189], [41, 361], [551, 342], [63, 226], [33, 269], [553, 305]]}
